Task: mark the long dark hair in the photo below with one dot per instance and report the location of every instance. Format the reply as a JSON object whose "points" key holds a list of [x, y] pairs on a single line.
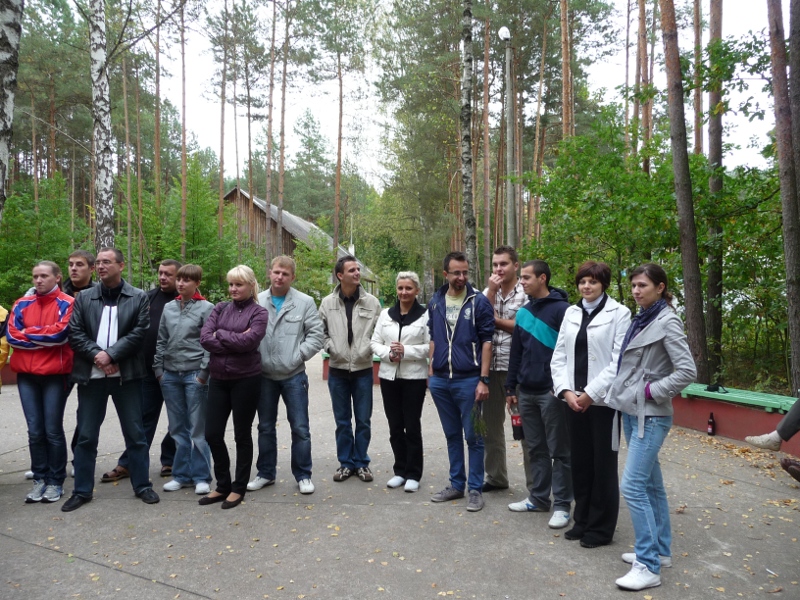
{"points": [[657, 275]]}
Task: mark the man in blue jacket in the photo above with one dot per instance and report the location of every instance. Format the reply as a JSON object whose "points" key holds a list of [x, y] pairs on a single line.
{"points": [[529, 383], [461, 322]]}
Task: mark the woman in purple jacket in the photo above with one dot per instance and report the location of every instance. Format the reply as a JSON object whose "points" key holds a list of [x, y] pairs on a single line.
{"points": [[232, 334]]}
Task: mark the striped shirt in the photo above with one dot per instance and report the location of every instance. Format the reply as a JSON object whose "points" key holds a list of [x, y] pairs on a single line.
{"points": [[505, 308]]}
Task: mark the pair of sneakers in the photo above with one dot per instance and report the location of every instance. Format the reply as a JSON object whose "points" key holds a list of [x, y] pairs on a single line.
{"points": [[640, 577], [411, 485], [559, 520], [42, 492], [305, 485], [474, 503], [201, 489], [344, 473]]}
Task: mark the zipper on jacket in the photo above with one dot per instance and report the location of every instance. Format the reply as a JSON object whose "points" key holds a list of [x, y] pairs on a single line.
{"points": [[452, 333]]}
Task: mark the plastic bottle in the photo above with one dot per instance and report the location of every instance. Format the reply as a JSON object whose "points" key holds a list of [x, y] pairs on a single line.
{"points": [[516, 423]]}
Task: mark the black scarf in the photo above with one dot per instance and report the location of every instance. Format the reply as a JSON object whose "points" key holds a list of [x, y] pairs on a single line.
{"points": [[417, 310], [642, 319], [582, 344]]}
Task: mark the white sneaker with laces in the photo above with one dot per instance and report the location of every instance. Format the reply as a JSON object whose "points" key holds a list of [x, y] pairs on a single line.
{"points": [[174, 485], [395, 482], [639, 578], [630, 557], [559, 520], [306, 486], [259, 482], [412, 485], [202, 488], [767, 441], [523, 506]]}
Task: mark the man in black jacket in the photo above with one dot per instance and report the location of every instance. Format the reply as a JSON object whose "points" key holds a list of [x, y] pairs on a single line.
{"points": [[107, 329]]}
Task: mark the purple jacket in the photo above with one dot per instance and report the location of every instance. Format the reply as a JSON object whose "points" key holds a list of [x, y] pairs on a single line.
{"points": [[234, 354]]}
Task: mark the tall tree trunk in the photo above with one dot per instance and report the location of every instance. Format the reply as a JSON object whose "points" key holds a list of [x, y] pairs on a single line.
{"points": [[627, 78], [250, 191], [487, 203], [637, 87], [101, 115], [139, 179], [157, 116], [566, 77], [698, 84], [129, 224], [645, 81], [282, 158], [10, 35], [51, 155], [268, 246], [184, 192], [794, 80], [695, 325], [715, 249], [222, 89], [788, 183], [337, 191], [467, 211], [34, 155], [533, 215]]}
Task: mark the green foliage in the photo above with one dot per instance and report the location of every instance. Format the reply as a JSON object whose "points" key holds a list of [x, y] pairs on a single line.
{"points": [[314, 266]]}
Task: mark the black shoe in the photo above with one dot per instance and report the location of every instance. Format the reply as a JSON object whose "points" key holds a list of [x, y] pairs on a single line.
{"points": [[232, 503], [490, 487], [206, 500], [74, 503], [573, 534], [149, 496], [590, 543]]}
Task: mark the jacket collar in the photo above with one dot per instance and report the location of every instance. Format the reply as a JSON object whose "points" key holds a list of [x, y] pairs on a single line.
{"points": [[415, 313], [96, 291], [654, 331]]}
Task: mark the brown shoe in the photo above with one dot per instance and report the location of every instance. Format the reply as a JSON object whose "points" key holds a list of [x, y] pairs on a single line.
{"points": [[792, 467], [166, 471], [115, 474]]}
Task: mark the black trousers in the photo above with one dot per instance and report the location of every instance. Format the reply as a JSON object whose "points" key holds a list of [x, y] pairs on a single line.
{"points": [[240, 397], [594, 474], [402, 403]]}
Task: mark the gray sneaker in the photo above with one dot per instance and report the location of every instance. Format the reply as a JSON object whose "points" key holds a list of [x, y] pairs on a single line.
{"points": [[475, 501], [447, 494], [36, 494], [52, 493]]}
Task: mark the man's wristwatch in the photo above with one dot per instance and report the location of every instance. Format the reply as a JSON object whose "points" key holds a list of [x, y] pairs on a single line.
{"points": [[484, 380]]}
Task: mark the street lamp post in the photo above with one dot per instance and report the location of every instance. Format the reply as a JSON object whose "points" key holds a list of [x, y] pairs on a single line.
{"points": [[511, 209]]}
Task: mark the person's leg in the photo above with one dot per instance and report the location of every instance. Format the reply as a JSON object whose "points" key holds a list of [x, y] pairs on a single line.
{"points": [[54, 402], [604, 499], [657, 494], [450, 416], [31, 396], [362, 411], [245, 394], [92, 404], [554, 415], [581, 447], [173, 386], [295, 395], [217, 414], [341, 390], [463, 394], [128, 402], [790, 423], [196, 405], [152, 401], [494, 413], [538, 453], [640, 467], [269, 397], [413, 401], [392, 394]]}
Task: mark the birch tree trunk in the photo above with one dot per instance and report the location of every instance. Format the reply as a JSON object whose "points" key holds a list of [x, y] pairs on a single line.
{"points": [[467, 212], [10, 35], [695, 325], [788, 183], [101, 115], [282, 158], [487, 203], [184, 192], [566, 93]]}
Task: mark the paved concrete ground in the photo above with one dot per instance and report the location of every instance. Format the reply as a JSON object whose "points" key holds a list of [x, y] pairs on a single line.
{"points": [[734, 512]]}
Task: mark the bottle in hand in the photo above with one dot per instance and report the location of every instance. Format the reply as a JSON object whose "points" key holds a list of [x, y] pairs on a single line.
{"points": [[516, 423]]}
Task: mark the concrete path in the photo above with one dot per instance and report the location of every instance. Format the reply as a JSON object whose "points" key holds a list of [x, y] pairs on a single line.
{"points": [[735, 522]]}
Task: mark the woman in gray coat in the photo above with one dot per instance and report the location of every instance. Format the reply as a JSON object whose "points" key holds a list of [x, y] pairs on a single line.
{"points": [[655, 364]]}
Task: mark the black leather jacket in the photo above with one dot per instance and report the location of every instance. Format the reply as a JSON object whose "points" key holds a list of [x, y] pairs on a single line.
{"points": [[133, 314]]}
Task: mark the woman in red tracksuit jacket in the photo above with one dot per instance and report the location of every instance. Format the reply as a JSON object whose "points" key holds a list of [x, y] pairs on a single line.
{"points": [[38, 329]]}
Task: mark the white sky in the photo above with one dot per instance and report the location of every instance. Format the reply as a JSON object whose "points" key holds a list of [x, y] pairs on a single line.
{"points": [[203, 110]]}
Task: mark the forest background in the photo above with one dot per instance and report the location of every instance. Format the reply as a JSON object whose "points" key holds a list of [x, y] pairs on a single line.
{"points": [[595, 173]]}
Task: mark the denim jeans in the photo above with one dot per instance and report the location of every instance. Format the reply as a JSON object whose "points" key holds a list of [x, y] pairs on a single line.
{"points": [[152, 401], [43, 399], [186, 398], [294, 391], [92, 405], [643, 489], [352, 396], [454, 399]]}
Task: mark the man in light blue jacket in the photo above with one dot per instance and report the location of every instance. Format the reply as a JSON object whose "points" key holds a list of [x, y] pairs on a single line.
{"points": [[294, 335]]}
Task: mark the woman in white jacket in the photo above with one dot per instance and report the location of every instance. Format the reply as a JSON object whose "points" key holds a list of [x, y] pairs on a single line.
{"points": [[401, 340], [583, 367]]}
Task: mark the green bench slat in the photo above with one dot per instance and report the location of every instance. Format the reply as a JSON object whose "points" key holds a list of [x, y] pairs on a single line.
{"points": [[769, 402]]}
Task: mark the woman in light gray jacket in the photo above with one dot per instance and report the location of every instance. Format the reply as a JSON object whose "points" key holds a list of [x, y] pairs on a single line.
{"points": [[655, 364], [583, 367], [402, 341]]}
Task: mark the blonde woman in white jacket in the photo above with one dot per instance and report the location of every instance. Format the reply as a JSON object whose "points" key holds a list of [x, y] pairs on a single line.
{"points": [[583, 367], [401, 339]]}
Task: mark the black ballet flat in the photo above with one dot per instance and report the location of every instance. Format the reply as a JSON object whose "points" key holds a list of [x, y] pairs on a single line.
{"points": [[232, 503], [205, 500]]}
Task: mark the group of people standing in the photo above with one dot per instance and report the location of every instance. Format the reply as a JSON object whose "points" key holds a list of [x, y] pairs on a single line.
{"points": [[570, 371]]}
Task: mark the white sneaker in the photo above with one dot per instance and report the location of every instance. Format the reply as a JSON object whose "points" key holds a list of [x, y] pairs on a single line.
{"points": [[174, 485], [630, 557], [559, 520], [766, 441], [395, 482], [202, 488], [412, 485], [28, 474], [306, 486], [639, 578], [524, 506], [259, 482], [72, 472]]}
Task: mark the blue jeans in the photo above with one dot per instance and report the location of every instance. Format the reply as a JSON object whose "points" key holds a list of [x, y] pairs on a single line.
{"points": [[643, 489], [92, 405], [152, 401], [43, 399], [186, 398], [352, 396], [454, 399], [294, 391]]}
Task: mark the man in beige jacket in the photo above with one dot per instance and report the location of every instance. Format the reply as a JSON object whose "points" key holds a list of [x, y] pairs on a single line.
{"points": [[349, 315]]}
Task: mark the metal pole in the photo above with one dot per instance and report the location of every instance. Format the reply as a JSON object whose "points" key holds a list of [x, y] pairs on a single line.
{"points": [[511, 171]]}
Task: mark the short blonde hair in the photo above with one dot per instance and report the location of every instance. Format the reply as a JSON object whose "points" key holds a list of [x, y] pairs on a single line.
{"points": [[284, 261], [244, 274], [408, 275]]}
